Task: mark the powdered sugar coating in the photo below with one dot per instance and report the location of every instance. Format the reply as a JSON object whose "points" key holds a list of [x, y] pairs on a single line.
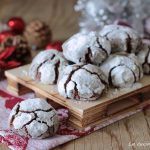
{"points": [[34, 118], [144, 58], [122, 70], [47, 66], [82, 82], [122, 38], [86, 48]]}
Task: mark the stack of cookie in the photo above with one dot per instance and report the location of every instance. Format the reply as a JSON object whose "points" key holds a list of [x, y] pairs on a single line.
{"points": [[98, 61]]}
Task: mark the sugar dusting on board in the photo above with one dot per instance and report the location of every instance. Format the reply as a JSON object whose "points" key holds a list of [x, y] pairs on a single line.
{"points": [[24, 73], [114, 92]]}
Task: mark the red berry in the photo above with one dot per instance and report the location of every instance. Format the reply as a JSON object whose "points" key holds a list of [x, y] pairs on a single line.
{"points": [[56, 45], [16, 24]]}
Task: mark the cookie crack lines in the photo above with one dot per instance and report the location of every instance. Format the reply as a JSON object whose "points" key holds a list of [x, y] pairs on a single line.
{"points": [[82, 82], [88, 55], [140, 70], [38, 74], [76, 93], [101, 47], [70, 76], [39, 118], [146, 59], [106, 35], [47, 66], [128, 43], [13, 116], [122, 38], [110, 80], [26, 130], [87, 48], [94, 73], [48, 110], [56, 71], [35, 117]]}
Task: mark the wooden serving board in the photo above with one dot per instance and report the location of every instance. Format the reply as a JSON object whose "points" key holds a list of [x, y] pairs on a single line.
{"points": [[82, 114]]}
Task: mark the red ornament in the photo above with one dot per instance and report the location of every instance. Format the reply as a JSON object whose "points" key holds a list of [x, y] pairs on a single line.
{"points": [[16, 24], [5, 34], [56, 45]]}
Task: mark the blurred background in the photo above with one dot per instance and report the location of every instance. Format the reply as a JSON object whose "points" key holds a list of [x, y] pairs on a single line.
{"points": [[30, 25], [58, 14]]}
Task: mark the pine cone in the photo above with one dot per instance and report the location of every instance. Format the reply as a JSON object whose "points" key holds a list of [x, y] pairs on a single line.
{"points": [[22, 51], [37, 34]]}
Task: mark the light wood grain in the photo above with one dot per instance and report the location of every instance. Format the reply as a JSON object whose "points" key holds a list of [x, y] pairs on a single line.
{"points": [[60, 16], [116, 136]]}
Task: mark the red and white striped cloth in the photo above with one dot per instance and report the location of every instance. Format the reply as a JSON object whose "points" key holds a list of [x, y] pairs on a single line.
{"points": [[65, 133]]}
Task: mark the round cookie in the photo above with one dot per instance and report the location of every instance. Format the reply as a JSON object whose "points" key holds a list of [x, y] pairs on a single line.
{"points": [[122, 70], [86, 48], [144, 58], [82, 82], [34, 118], [47, 66], [122, 38]]}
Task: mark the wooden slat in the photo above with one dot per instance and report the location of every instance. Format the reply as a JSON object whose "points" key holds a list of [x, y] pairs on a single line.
{"points": [[82, 113], [51, 91]]}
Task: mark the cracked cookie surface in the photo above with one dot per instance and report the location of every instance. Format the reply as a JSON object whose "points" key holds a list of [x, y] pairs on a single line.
{"points": [[122, 38], [86, 48], [34, 118], [47, 67], [82, 82], [144, 58], [122, 70]]}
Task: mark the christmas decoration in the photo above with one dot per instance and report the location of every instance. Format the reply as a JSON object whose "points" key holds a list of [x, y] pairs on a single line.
{"points": [[37, 34], [16, 49], [54, 45], [97, 13], [16, 24], [5, 34]]}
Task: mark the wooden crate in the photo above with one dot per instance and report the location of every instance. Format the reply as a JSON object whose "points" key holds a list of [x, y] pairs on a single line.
{"points": [[83, 114]]}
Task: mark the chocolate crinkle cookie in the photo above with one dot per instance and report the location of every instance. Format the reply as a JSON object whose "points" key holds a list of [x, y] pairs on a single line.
{"points": [[144, 58], [122, 70], [47, 66], [86, 48], [122, 38], [82, 82], [34, 118]]}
